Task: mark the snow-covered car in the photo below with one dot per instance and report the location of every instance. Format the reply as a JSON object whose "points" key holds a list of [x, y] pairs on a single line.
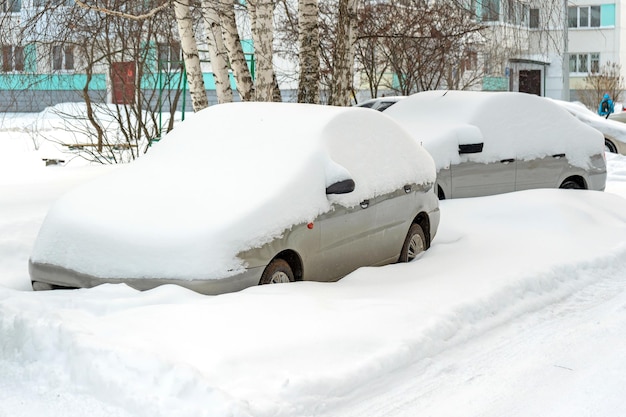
{"points": [[243, 194], [486, 143], [380, 103], [614, 131]]}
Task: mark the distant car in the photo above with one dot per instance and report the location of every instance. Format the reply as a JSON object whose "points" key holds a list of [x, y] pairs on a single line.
{"points": [[380, 103], [487, 143], [614, 132], [618, 116], [243, 194]]}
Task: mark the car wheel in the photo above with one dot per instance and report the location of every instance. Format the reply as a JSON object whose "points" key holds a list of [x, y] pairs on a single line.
{"points": [[571, 185], [440, 194], [609, 146], [277, 272], [414, 244]]}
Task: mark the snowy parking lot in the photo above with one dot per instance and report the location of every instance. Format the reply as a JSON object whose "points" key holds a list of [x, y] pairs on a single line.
{"points": [[518, 309]]}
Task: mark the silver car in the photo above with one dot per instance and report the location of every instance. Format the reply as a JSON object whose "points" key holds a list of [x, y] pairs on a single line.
{"points": [[613, 129], [486, 143], [244, 194]]}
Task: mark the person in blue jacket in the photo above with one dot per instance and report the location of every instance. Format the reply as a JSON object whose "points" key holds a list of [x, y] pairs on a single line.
{"points": [[606, 106]]}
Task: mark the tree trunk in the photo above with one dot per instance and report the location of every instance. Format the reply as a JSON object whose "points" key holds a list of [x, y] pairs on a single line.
{"points": [[308, 37], [343, 57], [262, 16], [191, 57], [245, 86], [217, 51]]}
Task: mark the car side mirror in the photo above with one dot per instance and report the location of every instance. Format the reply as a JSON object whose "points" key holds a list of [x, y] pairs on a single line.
{"points": [[471, 148], [341, 187]]}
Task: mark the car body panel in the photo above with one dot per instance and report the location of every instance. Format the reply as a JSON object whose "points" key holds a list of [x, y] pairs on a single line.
{"points": [[472, 178]]}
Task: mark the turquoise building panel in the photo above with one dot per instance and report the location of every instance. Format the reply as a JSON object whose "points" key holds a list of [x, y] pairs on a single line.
{"points": [[607, 15], [495, 84], [51, 82], [173, 81]]}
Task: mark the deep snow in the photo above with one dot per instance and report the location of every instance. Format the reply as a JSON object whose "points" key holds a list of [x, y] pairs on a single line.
{"points": [[518, 309]]}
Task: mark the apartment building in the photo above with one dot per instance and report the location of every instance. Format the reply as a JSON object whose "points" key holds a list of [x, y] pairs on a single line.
{"points": [[544, 47], [595, 38]]}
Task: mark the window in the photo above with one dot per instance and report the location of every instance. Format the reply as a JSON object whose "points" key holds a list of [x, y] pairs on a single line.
{"points": [[62, 57], [490, 10], [594, 63], [584, 63], [12, 58], [516, 12], [170, 56], [534, 18], [469, 61], [10, 6], [583, 17]]}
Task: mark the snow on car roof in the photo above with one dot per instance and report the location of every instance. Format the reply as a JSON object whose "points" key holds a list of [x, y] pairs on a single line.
{"points": [[512, 125], [229, 178]]}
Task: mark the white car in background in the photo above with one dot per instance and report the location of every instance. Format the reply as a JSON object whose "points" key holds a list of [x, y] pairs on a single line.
{"points": [[486, 143], [613, 130]]}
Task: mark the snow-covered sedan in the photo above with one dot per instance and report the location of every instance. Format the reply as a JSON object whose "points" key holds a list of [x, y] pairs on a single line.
{"points": [[613, 130], [486, 143], [243, 194]]}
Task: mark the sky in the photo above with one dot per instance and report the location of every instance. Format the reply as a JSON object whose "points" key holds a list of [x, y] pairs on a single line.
{"points": [[517, 309]]}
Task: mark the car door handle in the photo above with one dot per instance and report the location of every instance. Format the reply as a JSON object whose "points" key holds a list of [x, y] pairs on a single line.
{"points": [[559, 155], [365, 204], [507, 161]]}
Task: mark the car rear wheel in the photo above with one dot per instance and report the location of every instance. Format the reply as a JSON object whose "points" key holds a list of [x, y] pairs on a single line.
{"points": [[414, 244], [571, 185], [277, 272], [609, 146]]}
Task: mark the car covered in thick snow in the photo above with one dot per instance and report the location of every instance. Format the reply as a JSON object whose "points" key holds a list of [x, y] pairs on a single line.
{"points": [[486, 143], [242, 194], [613, 130]]}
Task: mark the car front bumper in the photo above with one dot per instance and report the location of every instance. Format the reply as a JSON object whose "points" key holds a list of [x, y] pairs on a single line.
{"points": [[48, 277]]}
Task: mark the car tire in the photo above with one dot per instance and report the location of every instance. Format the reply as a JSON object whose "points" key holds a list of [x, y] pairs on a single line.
{"points": [[277, 272], [609, 146], [571, 185], [414, 244]]}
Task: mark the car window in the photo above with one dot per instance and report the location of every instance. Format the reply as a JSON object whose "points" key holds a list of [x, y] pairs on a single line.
{"points": [[385, 105]]}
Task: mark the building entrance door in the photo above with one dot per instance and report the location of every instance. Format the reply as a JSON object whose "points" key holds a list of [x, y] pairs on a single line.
{"points": [[530, 82], [123, 82]]}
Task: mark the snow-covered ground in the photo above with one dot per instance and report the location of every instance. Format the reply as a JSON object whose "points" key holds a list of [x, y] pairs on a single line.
{"points": [[518, 309]]}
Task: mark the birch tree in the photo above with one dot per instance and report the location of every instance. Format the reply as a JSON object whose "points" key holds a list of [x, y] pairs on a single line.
{"points": [[217, 51], [262, 21], [308, 39], [232, 44], [343, 56], [191, 57]]}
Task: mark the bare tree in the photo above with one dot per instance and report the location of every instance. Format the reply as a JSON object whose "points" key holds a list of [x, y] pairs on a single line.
{"points": [[114, 58], [607, 81], [421, 45]]}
